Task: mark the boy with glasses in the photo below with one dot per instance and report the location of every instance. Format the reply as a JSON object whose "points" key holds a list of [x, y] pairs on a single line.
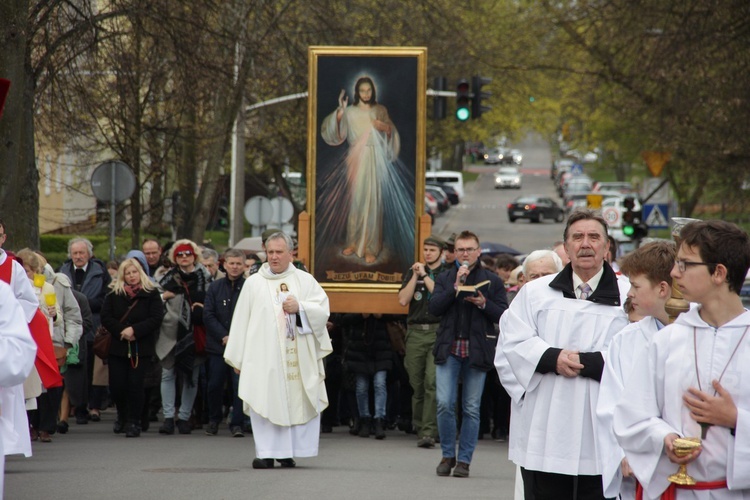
{"points": [[693, 383]]}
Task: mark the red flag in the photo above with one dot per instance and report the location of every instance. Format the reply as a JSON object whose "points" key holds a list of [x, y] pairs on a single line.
{"points": [[4, 88], [45, 363]]}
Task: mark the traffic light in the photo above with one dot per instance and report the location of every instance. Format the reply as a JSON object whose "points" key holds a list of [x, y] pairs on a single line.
{"points": [[438, 102], [477, 107], [632, 221], [463, 99]]}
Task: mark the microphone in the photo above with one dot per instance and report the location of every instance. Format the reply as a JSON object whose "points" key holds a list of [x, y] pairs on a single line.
{"points": [[466, 265]]}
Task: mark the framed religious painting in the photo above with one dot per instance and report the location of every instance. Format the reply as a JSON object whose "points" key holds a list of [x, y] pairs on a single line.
{"points": [[365, 165]]}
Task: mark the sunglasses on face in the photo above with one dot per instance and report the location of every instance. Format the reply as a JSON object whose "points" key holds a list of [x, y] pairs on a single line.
{"points": [[184, 254]]}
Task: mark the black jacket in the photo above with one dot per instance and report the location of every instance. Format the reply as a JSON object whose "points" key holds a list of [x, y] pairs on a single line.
{"points": [[221, 300], [368, 346], [145, 318], [457, 313]]}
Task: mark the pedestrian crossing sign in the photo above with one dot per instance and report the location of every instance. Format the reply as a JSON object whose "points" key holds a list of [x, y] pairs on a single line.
{"points": [[656, 216]]}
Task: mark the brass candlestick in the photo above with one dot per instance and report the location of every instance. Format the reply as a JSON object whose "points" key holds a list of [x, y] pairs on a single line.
{"points": [[676, 304], [683, 447]]}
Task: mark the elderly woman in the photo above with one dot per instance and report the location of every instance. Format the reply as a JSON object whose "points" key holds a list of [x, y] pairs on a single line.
{"points": [[43, 420], [182, 341], [132, 313]]}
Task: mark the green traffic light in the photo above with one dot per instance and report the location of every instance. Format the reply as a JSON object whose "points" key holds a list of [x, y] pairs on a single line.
{"points": [[628, 230], [462, 114]]}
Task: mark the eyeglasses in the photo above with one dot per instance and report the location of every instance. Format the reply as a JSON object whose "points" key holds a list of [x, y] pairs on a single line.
{"points": [[682, 265], [465, 250], [184, 254]]}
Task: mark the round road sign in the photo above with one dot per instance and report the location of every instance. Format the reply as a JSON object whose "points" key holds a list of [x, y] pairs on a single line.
{"points": [[258, 211], [124, 181], [611, 215]]}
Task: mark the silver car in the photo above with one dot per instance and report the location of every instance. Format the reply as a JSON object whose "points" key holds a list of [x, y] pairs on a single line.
{"points": [[508, 177]]}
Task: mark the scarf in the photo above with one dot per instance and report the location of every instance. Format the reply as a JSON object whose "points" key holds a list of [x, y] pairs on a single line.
{"points": [[132, 290]]}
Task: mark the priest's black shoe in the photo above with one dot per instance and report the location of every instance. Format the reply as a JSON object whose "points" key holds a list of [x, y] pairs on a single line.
{"points": [[287, 462], [263, 463]]}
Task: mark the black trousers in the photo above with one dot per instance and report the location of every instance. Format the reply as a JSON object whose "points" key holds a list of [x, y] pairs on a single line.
{"points": [[126, 388], [44, 418], [550, 486]]}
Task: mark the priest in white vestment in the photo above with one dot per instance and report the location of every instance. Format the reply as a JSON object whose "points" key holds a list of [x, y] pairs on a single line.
{"points": [[278, 347], [553, 338], [696, 372], [17, 354]]}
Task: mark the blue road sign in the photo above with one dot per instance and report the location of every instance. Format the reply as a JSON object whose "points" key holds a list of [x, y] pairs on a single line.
{"points": [[656, 215], [576, 169]]}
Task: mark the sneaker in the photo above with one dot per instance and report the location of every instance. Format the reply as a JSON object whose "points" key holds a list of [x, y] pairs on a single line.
{"points": [[263, 463], [183, 427], [212, 429], [287, 462], [461, 470], [445, 466], [426, 442], [167, 427], [237, 432]]}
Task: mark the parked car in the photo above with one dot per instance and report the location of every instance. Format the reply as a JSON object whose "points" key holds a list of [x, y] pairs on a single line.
{"points": [[508, 177], [440, 197], [450, 177], [449, 190], [430, 206], [559, 167], [576, 184], [535, 208], [616, 187], [516, 156]]}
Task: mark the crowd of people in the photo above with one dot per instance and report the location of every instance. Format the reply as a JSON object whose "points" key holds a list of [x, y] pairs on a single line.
{"points": [[568, 355]]}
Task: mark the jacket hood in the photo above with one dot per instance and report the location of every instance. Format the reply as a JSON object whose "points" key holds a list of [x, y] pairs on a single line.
{"points": [[137, 254]]}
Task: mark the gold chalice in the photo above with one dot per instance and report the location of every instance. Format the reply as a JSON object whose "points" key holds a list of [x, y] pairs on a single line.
{"points": [[683, 447]]}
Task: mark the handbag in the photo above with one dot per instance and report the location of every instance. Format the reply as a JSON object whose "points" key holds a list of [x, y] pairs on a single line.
{"points": [[103, 339], [61, 355]]}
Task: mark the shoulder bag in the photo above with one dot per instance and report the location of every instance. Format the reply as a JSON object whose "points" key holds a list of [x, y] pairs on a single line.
{"points": [[103, 339]]}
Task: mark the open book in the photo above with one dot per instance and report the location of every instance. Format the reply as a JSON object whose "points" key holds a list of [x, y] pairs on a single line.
{"points": [[469, 290]]}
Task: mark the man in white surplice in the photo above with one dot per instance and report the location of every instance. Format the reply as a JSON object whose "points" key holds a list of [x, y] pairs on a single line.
{"points": [[696, 374], [553, 335], [277, 342]]}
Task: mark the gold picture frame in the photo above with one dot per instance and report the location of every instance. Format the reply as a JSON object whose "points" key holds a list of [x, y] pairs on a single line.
{"points": [[365, 165]]}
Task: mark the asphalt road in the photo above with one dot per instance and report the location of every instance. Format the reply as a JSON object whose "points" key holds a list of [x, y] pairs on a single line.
{"points": [[91, 462], [484, 208]]}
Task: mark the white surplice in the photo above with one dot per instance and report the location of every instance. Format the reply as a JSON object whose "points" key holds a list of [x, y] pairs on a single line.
{"points": [[17, 354], [558, 413], [651, 406], [625, 349], [282, 379]]}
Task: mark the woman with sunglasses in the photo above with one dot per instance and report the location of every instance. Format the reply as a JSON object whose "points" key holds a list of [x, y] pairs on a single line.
{"points": [[181, 345], [132, 313]]}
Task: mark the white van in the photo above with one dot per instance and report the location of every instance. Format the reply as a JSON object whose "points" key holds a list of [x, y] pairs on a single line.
{"points": [[450, 177]]}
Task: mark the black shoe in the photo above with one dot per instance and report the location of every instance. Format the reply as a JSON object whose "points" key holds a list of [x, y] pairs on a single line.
{"points": [[167, 427], [263, 463], [183, 426], [212, 429], [379, 429], [364, 427], [326, 429], [145, 424], [95, 416], [287, 462], [118, 426], [237, 432], [62, 427], [134, 431], [82, 420]]}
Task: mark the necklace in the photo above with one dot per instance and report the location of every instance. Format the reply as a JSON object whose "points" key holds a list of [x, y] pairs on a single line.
{"points": [[704, 425]]}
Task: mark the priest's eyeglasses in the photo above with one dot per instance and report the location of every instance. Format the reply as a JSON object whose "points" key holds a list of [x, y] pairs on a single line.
{"points": [[682, 265]]}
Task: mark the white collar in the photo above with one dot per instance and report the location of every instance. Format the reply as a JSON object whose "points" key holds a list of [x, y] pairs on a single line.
{"points": [[593, 282]]}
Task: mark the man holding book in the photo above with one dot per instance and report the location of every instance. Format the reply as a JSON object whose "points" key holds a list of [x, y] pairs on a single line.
{"points": [[469, 301]]}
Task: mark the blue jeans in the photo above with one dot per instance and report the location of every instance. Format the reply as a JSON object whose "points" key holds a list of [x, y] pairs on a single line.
{"points": [[169, 393], [447, 376], [363, 394], [217, 373]]}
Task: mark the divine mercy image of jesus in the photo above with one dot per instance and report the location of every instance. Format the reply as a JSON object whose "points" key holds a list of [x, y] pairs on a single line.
{"points": [[366, 202]]}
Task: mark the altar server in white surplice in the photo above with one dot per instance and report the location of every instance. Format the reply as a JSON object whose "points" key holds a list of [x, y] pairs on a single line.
{"points": [[277, 341], [648, 269], [17, 354], [556, 331], [695, 379]]}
